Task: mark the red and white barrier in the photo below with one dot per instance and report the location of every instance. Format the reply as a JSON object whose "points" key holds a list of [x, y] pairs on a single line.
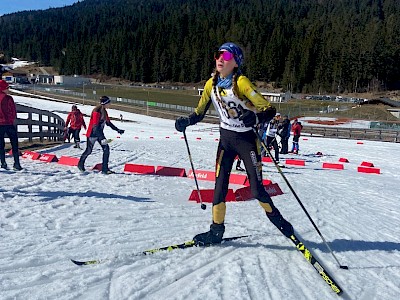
{"points": [[266, 159], [68, 161], [203, 175], [296, 162], [31, 155], [139, 169], [169, 171], [48, 158], [244, 194], [208, 196], [363, 169], [367, 164], [326, 165]]}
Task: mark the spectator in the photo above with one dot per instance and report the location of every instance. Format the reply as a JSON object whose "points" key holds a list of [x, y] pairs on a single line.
{"points": [[284, 132], [296, 128], [8, 114], [95, 133], [76, 121]]}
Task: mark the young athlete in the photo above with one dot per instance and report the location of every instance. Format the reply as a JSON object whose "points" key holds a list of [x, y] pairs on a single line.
{"points": [[270, 135], [296, 128], [240, 108], [95, 133], [75, 121]]}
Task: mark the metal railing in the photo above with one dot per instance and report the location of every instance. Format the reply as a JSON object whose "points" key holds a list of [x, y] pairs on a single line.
{"points": [[354, 133]]}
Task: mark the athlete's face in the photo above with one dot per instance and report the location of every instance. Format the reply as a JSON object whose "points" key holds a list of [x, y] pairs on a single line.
{"points": [[225, 67]]}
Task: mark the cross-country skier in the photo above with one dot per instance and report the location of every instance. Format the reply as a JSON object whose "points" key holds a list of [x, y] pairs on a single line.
{"points": [[241, 107], [270, 135], [95, 133]]}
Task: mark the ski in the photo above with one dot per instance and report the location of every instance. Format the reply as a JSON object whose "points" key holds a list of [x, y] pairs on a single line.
{"points": [[316, 264], [184, 245]]}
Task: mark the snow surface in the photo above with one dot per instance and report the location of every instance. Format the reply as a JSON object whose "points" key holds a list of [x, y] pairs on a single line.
{"points": [[51, 213]]}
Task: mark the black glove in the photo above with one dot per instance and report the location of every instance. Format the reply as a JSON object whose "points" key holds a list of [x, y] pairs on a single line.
{"points": [[267, 115], [181, 123], [249, 118], [120, 131]]}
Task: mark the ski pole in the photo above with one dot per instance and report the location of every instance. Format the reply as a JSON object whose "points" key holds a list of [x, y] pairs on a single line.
{"points": [[297, 197], [202, 205]]}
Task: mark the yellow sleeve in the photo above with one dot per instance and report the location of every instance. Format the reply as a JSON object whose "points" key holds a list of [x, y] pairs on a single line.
{"points": [[248, 91], [205, 99]]}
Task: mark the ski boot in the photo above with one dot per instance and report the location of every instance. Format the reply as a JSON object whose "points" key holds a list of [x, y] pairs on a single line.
{"points": [[4, 166], [108, 172], [214, 236], [284, 226], [17, 167], [81, 167]]}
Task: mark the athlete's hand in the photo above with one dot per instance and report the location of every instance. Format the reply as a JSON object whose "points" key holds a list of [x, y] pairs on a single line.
{"points": [[248, 118], [181, 123]]}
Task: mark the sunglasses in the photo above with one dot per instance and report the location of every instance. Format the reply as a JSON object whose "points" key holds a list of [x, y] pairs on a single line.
{"points": [[226, 55]]}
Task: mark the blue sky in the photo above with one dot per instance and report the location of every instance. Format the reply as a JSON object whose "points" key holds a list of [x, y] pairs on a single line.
{"points": [[10, 6]]}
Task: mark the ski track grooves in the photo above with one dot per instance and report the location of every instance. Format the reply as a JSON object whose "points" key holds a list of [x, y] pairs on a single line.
{"points": [[172, 286]]}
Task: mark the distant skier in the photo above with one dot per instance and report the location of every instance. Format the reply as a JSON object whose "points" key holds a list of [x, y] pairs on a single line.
{"points": [[95, 132], [76, 121], [270, 135]]}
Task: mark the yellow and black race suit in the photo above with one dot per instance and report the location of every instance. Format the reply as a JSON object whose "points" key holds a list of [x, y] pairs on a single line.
{"points": [[236, 139]]}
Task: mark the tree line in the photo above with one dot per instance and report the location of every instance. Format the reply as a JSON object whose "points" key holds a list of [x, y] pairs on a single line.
{"points": [[326, 46]]}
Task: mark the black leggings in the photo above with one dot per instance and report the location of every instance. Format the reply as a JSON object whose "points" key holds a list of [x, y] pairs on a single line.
{"points": [[12, 134], [75, 133], [244, 144], [89, 148], [271, 141]]}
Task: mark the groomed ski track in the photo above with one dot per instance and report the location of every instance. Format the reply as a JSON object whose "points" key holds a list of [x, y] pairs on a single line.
{"points": [[51, 213]]}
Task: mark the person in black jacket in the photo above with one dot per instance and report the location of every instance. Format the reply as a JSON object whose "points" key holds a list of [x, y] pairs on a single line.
{"points": [[284, 133]]}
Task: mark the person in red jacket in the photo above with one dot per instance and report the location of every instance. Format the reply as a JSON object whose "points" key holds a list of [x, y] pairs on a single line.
{"points": [[95, 132], [76, 121], [296, 128], [8, 114]]}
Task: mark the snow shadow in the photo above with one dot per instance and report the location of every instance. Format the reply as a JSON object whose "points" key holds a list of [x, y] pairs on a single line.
{"points": [[52, 196], [342, 245]]}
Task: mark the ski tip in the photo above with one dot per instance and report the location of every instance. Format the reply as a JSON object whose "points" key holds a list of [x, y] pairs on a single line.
{"points": [[344, 267], [84, 263]]}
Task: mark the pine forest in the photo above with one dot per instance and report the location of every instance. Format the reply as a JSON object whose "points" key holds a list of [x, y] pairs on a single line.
{"points": [[300, 45]]}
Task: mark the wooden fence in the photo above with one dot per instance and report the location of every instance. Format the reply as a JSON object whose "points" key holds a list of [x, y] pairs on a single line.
{"points": [[36, 123]]}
